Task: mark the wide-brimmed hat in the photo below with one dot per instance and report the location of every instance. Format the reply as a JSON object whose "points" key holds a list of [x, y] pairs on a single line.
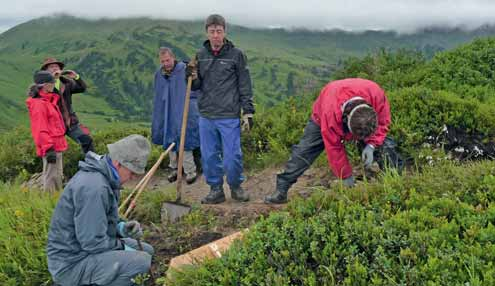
{"points": [[49, 61]]}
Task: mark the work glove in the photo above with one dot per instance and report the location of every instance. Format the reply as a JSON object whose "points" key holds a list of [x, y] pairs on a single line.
{"points": [[51, 156], [191, 71], [130, 229], [349, 182], [247, 122], [367, 156]]}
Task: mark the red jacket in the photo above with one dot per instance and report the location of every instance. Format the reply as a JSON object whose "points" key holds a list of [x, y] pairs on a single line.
{"points": [[47, 125], [327, 113]]}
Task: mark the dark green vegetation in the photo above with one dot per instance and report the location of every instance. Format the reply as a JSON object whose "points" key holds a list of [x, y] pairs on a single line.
{"points": [[118, 58], [429, 226], [433, 227]]}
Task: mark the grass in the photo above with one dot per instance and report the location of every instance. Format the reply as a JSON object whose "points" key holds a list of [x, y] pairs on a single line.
{"points": [[24, 219]]}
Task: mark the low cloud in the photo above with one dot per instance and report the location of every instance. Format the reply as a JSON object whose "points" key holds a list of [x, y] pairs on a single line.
{"points": [[355, 15]]}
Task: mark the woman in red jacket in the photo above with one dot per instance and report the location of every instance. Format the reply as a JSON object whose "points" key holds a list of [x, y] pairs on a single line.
{"points": [[47, 128], [349, 109]]}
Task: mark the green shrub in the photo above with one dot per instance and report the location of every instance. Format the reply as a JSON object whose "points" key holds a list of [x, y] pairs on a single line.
{"points": [[275, 131], [470, 65], [391, 70], [418, 112], [18, 153], [434, 228]]}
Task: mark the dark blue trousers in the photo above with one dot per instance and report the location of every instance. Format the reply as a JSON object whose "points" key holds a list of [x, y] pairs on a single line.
{"points": [[221, 150]]}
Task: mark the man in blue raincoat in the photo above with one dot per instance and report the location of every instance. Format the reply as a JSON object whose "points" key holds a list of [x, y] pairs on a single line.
{"points": [[168, 107]]}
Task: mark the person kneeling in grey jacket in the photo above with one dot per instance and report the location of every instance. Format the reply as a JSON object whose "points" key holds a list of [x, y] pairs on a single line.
{"points": [[87, 242]]}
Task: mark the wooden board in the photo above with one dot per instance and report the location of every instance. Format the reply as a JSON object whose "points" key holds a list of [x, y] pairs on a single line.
{"points": [[211, 250]]}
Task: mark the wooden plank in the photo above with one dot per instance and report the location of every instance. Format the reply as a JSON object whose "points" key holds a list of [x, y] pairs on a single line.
{"points": [[211, 250]]}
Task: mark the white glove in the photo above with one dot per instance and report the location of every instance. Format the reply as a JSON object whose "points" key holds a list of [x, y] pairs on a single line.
{"points": [[367, 156], [247, 122]]}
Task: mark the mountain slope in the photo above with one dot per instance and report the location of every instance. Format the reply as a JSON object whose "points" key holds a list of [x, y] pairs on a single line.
{"points": [[118, 59]]}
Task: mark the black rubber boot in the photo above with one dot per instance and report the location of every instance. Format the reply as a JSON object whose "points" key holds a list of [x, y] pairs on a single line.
{"points": [[215, 196], [191, 178], [276, 197], [238, 194], [86, 143], [172, 177]]}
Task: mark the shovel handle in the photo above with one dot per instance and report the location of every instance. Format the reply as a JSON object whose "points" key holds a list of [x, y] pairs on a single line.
{"points": [[137, 187], [158, 162], [151, 173], [182, 140]]}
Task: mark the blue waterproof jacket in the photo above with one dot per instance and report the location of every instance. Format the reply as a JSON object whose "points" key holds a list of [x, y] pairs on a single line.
{"points": [[168, 108], [85, 220]]}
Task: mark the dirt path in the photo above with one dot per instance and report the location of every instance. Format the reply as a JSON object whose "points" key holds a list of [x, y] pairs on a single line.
{"points": [[170, 240], [258, 185]]}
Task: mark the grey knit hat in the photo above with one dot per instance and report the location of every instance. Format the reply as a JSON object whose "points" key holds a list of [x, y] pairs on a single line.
{"points": [[132, 152]]}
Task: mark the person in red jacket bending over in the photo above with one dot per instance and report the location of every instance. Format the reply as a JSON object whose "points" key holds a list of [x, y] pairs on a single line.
{"points": [[348, 109], [47, 128]]}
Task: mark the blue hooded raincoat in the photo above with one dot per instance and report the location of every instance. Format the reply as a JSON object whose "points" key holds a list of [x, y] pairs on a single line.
{"points": [[168, 107]]}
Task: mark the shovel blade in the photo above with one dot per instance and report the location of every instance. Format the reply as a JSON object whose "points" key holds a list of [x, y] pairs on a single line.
{"points": [[172, 211]]}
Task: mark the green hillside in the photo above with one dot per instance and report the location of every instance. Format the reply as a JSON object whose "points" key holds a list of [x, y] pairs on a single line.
{"points": [[431, 225], [118, 58]]}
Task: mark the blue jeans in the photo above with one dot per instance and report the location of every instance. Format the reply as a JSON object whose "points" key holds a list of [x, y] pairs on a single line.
{"points": [[221, 141], [310, 147]]}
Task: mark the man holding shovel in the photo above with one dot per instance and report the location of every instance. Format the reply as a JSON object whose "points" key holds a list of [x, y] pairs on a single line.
{"points": [[168, 108], [87, 242], [223, 77], [350, 109]]}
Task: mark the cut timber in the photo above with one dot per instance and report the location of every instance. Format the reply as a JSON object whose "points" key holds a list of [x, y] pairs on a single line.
{"points": [[209, 251]]}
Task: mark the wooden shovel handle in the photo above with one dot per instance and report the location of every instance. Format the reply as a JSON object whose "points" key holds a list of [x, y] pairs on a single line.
{"points": [[149, 175], [158, 162], [182, 140]]}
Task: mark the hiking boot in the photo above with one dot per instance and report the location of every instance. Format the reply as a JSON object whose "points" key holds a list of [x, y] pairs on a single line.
{"points": [[276, 197], [215, 196], [191, 178], [172, 177], [238, 194]]}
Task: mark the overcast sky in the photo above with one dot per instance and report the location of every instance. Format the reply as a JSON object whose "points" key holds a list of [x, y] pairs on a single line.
{"points": [[400, 15]]}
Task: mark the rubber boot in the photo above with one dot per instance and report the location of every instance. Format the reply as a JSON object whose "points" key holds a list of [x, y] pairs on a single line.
{"points": [[238, 194], [277, 197], [172, 177], [215, 196], [191, 178]]}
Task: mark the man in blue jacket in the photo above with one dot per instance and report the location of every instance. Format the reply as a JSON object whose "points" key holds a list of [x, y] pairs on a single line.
{"points": [[222, 75], [87, 242], [168, 107]]}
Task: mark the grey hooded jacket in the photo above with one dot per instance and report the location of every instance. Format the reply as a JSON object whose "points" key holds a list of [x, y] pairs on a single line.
{"points": [[85, 220]]}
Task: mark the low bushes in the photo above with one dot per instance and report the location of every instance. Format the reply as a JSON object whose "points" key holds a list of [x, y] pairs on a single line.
{"points": [[434, 228], [18, 153]]}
